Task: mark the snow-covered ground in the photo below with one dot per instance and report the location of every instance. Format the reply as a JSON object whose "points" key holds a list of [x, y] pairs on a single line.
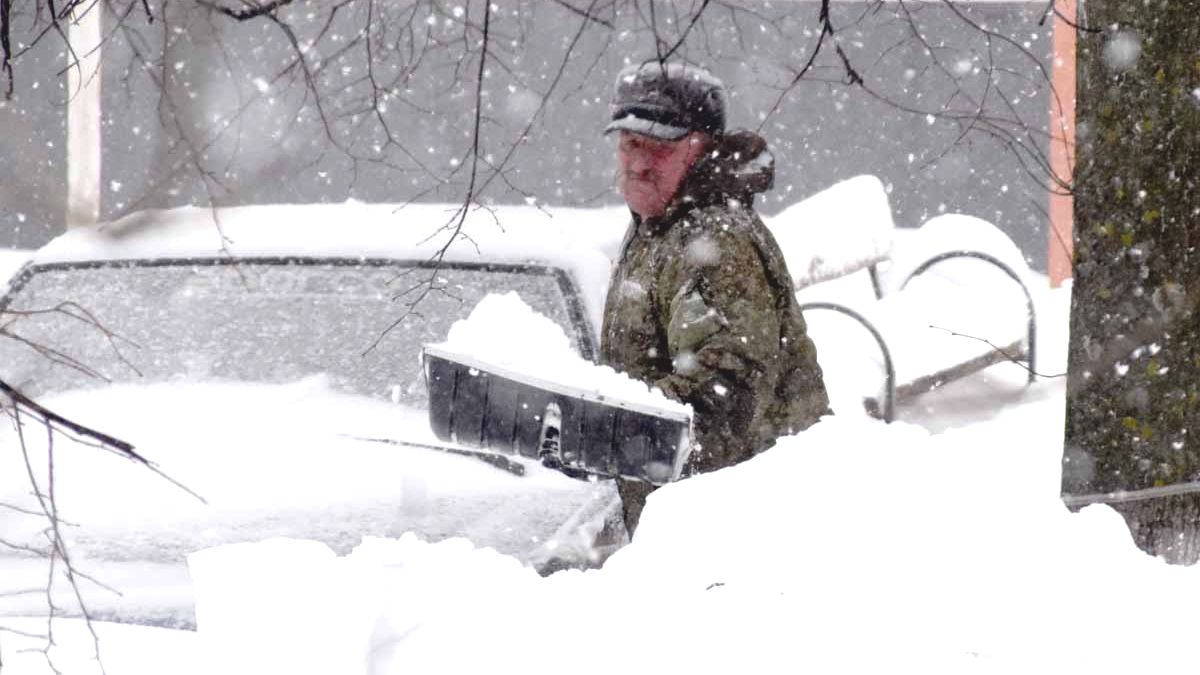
{"points": [[290, 460], [124, 649], [937, 544]]}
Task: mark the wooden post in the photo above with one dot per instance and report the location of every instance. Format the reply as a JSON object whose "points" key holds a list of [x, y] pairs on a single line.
{"points": [[83, 117], [1062, 143]]}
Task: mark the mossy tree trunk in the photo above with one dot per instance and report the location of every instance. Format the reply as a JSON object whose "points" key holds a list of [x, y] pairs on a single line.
{"points": [[1133, 410]]}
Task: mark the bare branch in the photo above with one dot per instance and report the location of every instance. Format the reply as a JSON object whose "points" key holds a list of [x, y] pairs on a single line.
{"points": [[53, 419], [460, 217], [686, 31], [998, 350], [587, 13], [6, 46], [826, 31], [252, 12]]}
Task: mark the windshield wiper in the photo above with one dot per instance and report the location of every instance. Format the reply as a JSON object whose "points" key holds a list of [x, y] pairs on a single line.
{"points": [[495, 459]]}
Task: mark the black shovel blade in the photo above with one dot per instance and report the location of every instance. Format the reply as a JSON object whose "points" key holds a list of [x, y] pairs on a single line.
{"points": [[476, 404]]}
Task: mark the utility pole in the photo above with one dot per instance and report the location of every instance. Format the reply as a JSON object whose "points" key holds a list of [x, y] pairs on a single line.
{"points": [[83, 116], [1062, 142]]}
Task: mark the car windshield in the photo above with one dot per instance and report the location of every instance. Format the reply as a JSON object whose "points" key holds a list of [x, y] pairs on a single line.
{"points": [[80, 326]]}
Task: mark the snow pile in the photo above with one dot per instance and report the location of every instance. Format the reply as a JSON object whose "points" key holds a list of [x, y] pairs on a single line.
{"points": [[124, 649], [340, 609], [267, 584], [291, 460], [853, 547], [536, 338], [504, 335]]}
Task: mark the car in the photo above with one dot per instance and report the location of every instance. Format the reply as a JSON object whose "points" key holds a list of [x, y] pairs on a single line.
{"points": [[265, 362]]}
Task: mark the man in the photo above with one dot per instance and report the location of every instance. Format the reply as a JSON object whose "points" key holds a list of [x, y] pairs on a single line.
{"points": [[700, 304]]}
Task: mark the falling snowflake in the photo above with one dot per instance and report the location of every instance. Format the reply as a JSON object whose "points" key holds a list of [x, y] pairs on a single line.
{"points": [[1122, 51]]}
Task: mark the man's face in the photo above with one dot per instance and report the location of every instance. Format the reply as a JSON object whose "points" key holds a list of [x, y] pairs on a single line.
{"points": [[649, 170]]}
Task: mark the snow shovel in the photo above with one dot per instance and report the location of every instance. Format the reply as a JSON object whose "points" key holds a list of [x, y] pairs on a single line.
{"points": [[579, 432]]}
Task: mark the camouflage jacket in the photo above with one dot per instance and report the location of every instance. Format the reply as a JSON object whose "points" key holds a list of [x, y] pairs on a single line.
{"points": [[701, 305]]}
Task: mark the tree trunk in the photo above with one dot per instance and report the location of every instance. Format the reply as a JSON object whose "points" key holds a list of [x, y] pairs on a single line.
{"points": [[1134, 386]]}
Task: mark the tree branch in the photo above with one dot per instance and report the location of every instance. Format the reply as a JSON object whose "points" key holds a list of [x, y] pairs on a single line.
{"points": [[252, 12]]}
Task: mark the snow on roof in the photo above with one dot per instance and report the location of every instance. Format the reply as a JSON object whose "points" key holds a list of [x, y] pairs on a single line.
{"points": [[581, 241], [831, 233], [352, 229]]}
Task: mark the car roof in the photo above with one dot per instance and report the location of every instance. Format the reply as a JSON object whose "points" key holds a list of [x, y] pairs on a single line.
{"points": [[581, 241], [349, 229]]}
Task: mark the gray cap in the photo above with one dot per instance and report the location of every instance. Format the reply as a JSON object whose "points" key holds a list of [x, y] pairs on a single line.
{"points": [[667, 101]]}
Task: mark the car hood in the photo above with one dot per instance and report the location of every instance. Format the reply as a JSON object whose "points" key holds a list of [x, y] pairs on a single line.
{"points": [[267, 460]]}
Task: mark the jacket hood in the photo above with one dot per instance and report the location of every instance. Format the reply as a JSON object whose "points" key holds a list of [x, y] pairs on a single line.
{"points": [[738, 166]]}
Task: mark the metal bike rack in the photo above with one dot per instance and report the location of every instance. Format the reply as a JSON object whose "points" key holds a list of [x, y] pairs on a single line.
{"points": [[1031, 356], [890, 387], [889, 391]]}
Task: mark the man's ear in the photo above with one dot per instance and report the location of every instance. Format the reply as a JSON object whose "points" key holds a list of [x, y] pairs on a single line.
{"points": [[698, 145]]}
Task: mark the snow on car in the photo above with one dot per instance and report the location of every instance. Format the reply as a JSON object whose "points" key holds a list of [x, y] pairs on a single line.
{"points": [[247, 353], [11, 260], [855, 546]]}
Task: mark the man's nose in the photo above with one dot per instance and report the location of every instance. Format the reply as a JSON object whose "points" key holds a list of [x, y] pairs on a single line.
{"points": [[638, 163]]}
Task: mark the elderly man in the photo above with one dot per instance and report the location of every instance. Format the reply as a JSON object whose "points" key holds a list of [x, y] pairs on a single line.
{"points": [[700, 304]]}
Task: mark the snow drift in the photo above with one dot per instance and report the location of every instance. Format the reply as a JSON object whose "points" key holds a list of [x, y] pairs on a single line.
{"points": [[853, 547]]}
